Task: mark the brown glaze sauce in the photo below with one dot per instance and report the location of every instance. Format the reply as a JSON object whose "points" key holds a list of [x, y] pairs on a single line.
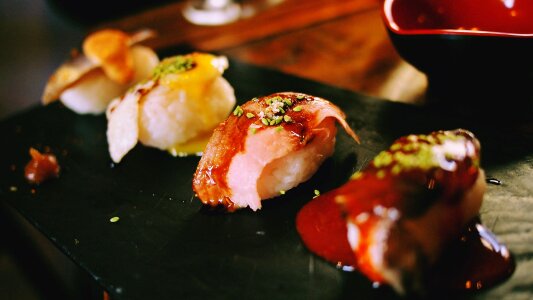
{"points": [[323, 230], [229, 138], [473, 261], [41, 167]]}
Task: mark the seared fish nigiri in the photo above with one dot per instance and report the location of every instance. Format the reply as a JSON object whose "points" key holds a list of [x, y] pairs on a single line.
{"points": [[269, 144], [111, 62], [175, 110]]}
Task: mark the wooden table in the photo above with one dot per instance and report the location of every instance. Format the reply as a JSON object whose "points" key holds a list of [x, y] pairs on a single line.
{"points": [[341, 43]]}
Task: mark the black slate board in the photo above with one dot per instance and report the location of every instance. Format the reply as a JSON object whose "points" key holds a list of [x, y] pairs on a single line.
{"points": [[166, 246]]}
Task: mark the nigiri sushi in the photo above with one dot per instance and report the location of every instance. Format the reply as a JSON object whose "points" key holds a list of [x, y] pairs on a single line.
{"points": [[403, 209], [175, 110], [111, 62], [269, 144]]}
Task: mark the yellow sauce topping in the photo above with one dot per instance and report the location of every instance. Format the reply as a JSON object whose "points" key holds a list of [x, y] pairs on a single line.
{"points": [[194, 146], [183, 70]]}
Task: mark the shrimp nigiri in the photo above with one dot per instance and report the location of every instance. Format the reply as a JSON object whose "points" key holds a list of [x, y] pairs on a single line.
{"points": [[404, 208], [268, 145], [111, 62], [175, 110]]}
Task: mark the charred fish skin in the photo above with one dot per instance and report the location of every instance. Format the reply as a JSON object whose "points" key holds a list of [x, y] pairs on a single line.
{"points": [[268, 145]]}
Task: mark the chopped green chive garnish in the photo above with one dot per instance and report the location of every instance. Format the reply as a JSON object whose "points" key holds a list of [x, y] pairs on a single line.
{"points": [[250, 115], [300, 96], [298, 108], [396, 146], [317, 192], [396, 169], [255, 99], [114, 219], [357, 175], [238, 111], [173, 65], [287, 118], [265, 121], [279, 128], [282, 192], [253, 130], [287, 101]]}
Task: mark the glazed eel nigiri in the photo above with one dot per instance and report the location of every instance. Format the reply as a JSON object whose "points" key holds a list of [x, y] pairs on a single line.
{"points": [[267, 146], [403, 210]]}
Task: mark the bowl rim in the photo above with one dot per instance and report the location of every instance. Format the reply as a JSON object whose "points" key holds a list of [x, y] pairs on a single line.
{"points": [[386, 13]]}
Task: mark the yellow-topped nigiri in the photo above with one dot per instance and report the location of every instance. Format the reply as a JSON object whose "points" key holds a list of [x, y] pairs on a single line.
{"points": [[175, 110]]}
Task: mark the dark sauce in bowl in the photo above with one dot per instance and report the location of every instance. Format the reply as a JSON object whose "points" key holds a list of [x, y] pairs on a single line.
{"points": [[473, 52], [494, 17]]}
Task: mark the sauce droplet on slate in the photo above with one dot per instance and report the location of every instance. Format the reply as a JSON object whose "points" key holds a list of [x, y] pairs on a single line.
{"points": [[41, 167]]}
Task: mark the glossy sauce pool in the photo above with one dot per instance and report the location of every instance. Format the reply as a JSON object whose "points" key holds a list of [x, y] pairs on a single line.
{"points": [[475, 261]]}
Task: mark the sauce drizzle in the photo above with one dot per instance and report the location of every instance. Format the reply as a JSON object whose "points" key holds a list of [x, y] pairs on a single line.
{"points": [[476, 260]]}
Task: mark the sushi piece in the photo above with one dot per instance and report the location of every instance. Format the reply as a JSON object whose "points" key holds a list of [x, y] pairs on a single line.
{"points": [[111, 62], [413, 198], [267, 145], [175, 110], [403, 211]]}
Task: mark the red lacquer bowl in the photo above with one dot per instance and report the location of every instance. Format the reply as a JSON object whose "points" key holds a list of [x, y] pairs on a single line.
{"points": [[472, 51]]}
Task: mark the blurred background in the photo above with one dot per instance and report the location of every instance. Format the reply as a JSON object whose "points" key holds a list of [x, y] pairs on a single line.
{"points": [[338, 42], [38, 35], [30, 29]]}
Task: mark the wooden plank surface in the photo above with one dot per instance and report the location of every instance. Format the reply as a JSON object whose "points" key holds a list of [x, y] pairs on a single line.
{"points": [[341, 43]]}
